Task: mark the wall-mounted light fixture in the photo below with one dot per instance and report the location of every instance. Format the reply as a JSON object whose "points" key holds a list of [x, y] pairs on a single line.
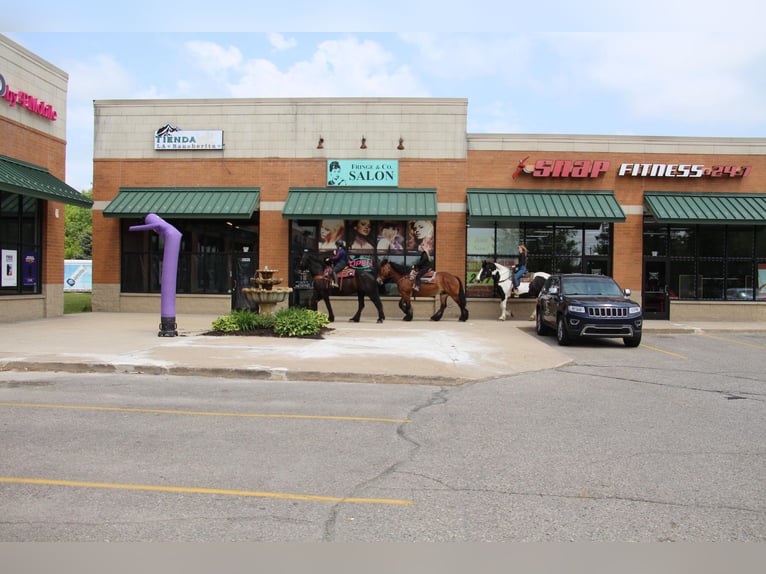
{"points": [[401, 144], [320, 143], [364, 143]]}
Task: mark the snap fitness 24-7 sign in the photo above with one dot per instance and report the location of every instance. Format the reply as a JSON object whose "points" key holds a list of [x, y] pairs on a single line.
{"points": [[585, 168], [28, 101]]}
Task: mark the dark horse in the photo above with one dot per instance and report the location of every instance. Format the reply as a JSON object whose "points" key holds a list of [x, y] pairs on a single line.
{"points": [[358, 282], [440, 283]]}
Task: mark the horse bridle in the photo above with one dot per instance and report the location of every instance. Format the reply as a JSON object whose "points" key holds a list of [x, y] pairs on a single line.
{"points": [[496, 273]]}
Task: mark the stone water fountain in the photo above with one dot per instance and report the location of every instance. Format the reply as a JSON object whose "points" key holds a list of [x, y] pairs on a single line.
{"points": [[265, 294]]}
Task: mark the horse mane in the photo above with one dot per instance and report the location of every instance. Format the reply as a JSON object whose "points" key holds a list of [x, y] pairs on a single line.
{"points": [[398, 267]]}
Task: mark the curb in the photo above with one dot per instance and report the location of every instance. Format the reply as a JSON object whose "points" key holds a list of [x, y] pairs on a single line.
{"points": [[276, 374]]}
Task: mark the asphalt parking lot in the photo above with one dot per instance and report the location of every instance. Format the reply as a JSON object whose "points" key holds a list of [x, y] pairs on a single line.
{"points": [[660, 443]]}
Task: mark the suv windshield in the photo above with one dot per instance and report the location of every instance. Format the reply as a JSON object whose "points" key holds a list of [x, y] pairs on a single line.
{"points": [[592, 286]]}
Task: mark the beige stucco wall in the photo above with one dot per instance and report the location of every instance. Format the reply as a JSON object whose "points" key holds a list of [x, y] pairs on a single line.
{"points": [[26, 72], [287, 128]]}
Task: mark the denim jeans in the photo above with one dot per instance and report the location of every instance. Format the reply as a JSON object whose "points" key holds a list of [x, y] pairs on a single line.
{"points": [[518, 275]]}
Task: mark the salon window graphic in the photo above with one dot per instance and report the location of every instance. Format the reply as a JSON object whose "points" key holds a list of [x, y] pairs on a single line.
{"points": [[362, 173]]}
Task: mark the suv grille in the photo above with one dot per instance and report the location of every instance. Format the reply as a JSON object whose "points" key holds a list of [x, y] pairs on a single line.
{"points": [[607, 312]]}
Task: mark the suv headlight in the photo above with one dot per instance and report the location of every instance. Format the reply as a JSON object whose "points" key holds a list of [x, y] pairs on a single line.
{"points": [[577, 309], [634, 310]]}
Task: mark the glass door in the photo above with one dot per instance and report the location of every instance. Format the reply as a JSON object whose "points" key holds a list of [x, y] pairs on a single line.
{"points": [[655, 300]]}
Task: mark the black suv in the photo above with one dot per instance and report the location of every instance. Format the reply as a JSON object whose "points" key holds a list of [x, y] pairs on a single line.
{"points": [[590, 306]]}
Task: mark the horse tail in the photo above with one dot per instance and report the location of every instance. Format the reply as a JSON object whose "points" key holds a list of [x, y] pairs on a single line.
{"points": [[461, 293]]}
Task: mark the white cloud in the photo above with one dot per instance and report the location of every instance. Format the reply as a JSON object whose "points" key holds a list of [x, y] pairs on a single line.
{"points": [[213, 58], [687, 77], [346, 67], [279, 42]]}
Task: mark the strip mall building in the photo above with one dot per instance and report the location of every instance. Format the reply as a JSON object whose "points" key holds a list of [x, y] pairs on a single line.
{"points": [[33, 195], [679, 221]]}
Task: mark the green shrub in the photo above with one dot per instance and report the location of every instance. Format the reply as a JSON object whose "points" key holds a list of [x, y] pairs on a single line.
{"points": [[225, 324], [297, 322], [293, 322], [251, 321]]}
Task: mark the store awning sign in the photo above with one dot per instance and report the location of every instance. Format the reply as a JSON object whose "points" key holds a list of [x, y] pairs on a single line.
{"points": [[170, 137], [363, 172]]}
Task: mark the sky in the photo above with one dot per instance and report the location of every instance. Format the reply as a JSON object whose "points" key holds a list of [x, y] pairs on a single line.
{"points": [[654, 68]]}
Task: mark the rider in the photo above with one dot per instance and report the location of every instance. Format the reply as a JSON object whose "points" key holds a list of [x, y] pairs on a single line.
{"points": [[423, 265], [339, 260], [519, 269]]}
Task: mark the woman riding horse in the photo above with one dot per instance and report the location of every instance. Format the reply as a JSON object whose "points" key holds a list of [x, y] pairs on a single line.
{"points": [[360, 283], [442, 284], [503, 278]]}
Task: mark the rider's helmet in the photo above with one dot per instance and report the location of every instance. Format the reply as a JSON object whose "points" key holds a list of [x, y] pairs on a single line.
{"points": [[339, 243]]}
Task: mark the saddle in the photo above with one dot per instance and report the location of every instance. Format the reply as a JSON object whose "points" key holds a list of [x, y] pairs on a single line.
{"points": [[342, 274]]}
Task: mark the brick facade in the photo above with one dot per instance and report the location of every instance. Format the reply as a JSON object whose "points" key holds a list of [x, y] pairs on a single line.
{"points": [[446, 158]]}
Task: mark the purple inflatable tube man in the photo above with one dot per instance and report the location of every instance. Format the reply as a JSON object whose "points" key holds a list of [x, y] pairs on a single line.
{"points": [[172, 237]]}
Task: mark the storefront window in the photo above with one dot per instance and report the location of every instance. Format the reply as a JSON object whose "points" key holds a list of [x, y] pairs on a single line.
{"points": [[760, 243], [206, 258], [711, 262], [712, 242], [366, 240], [684, 281], [740, 281], [20, 244], [655, 240], [712, 280], [739, 242], [584, 248]]}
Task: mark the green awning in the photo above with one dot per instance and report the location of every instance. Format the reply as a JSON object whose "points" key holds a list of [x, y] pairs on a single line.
{"points": [[718, 208], [189, 203], [319, 203], [544, 205], [35, 181]]}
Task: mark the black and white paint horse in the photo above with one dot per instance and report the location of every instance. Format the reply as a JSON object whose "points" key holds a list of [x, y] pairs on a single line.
{"points": [[503, 278]]}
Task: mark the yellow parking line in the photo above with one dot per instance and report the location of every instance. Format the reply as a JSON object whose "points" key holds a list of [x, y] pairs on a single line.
{"points": [[645, 346], [203, 413], [732, 341], [187, 490]]}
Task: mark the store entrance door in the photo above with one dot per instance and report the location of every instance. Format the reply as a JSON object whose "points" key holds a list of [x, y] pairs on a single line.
{"points": [[655, 300]]}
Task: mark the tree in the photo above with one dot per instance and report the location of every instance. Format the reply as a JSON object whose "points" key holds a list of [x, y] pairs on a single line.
{"points": [[78, 227]]}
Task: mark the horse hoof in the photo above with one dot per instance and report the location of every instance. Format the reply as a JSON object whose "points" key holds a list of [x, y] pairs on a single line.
{"points": [[380, 320]]}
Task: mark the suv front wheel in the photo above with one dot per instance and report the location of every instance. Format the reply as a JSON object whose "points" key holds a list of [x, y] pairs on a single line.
{"points": [[561, 333], [541, 327]]}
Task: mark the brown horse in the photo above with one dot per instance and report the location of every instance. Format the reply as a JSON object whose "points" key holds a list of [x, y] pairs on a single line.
{"points": [[439, 283], [361, 283]]}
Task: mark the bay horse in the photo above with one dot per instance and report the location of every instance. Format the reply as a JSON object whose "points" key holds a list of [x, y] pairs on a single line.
{"points": [[502, 276], [350, 282], [434, 283]]}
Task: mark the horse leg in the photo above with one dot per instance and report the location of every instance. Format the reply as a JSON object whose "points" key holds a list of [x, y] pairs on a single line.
{"points": [[460, 299], [360, 306], [375, 298], [406, 307], [442, 306], [330, 314], [502, 306]]}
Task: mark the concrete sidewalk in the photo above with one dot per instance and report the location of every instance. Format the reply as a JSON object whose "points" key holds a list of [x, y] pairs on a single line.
{"points": [[421, 351]]}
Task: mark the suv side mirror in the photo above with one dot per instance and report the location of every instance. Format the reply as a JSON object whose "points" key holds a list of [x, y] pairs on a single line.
{"points": [[627, 292]]}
